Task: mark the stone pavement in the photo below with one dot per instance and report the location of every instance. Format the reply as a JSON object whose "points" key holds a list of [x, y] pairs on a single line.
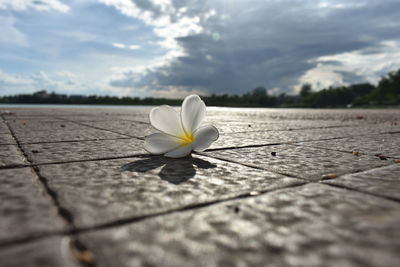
{"points": [[279, 188]]}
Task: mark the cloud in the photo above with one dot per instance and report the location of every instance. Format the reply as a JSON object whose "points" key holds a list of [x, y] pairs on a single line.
{"points": [[40, 5], [233, 46], [118, 45], [170, 20], [363, 65], [134, 47], [338, 5], [59, 81], [124, 46], [10, 83], [10, 34], [167, 47], [12, 79]]}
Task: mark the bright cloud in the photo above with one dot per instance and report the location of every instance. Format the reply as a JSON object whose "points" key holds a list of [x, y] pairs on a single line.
{"points": [[60, 81], [368, 64], [231, 47], [118, 45], [8, 79], [124, 46], [42, 5], [169, 21], [10, 34]]}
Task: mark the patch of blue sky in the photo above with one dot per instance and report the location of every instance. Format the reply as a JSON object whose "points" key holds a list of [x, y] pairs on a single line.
{"points": [[87, 29]]}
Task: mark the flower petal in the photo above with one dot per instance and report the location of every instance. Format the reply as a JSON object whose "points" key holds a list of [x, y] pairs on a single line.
{"points": [[192, 113], [179, 152], [204, 136], [166, 119], [159, 143]]}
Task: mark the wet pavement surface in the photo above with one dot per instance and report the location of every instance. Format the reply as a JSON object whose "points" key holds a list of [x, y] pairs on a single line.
{"points": [[281, 187]]}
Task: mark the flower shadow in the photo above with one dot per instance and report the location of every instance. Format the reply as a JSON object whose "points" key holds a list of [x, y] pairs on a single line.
{"points": [[174, 171]]}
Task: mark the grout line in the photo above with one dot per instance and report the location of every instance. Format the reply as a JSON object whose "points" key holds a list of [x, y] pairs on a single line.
{"points": [[283, 173], [269, 144], [135, 219], [99, 128], [251, 166], [76, 141], [291, 129], [15, 166], [64, 213], [43, 181], [194, 206], [197, 153], [71, 161], [361, 191], [344, 151], [326, 148]]}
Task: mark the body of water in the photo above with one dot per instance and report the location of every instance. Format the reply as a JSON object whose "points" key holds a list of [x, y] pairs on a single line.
{"points": [[69, 106]]}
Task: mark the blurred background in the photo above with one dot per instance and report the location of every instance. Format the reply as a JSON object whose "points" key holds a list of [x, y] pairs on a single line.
{"points": [[268, 53]]}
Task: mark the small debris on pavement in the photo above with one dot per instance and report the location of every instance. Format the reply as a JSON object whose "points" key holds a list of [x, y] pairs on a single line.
{"points": [[86, 257], [380, 156], [7, 112], [355, 153], [329, 176], [273, 154]]}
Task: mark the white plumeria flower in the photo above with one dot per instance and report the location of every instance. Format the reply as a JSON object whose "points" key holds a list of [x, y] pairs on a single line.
{"points": [[180, 133]]}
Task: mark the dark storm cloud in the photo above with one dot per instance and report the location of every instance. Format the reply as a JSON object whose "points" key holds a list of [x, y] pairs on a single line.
{"points": [[269, 43]]}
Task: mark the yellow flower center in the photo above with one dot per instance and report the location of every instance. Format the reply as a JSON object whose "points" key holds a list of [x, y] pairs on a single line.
{"points": [[186, 139]]}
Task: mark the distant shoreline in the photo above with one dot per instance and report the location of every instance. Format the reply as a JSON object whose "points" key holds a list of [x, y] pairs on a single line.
{"points": [[2, 106]]}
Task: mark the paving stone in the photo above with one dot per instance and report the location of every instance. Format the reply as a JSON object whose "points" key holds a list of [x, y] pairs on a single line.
{"points": [[239, 139], [110, 111], [6, 139], [44, 112], [48, 252], [233, 114], [352, 116], [83, 150], [306, 162], [312, 225], [381, 181], [3, 128], [385, 144], [104, 191], [251, 126], [323, 133], [85, 133], [28, 126], [25, 209], [107, 117], [10, 155], [124, 127], [32, 118]]}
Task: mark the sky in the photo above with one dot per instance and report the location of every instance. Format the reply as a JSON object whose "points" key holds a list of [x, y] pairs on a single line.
{"points": [[172, 48]]}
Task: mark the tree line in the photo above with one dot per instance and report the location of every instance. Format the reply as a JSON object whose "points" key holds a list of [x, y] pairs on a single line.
{"points": [[385, 93]]}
